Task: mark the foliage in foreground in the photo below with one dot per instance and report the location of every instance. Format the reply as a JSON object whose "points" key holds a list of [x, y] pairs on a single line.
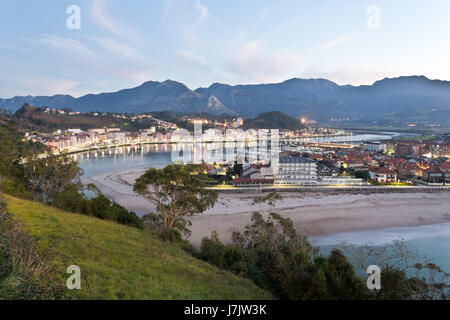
{"points": [[276, 258], [29, 171], [122, 262], [25, 274], [405, 273], [178, 192]]}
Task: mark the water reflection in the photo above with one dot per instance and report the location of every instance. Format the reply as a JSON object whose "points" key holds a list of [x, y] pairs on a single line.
{"points": [[160, 155]]}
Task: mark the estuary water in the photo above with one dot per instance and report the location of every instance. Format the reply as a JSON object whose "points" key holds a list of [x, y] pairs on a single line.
{"points": [[157, 155], [432, 241]]}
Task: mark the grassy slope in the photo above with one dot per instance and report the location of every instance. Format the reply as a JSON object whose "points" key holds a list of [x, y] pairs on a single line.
{"points": [[126, 263]]}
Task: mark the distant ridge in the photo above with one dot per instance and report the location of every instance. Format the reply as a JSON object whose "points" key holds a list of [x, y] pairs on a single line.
{"points": [[318, 99]]}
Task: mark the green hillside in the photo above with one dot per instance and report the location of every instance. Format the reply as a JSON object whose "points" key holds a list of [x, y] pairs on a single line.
{"points": [[126, 263]]}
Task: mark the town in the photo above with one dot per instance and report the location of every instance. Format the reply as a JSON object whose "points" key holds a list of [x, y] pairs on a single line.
{"points": [[301, 160]]}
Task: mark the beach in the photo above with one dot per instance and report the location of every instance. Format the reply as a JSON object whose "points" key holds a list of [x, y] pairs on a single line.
{"points": [[313, 213]]}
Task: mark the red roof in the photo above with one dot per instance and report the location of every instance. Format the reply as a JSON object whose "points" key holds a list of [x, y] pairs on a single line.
{"points": [[316, 156], [432, 170], [395, 161], [255, 166], [207, 166], [445, 165], [382, 170]]}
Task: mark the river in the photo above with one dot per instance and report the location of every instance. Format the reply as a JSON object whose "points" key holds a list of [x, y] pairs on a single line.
{"points": [[157, 155], [432, 241]]}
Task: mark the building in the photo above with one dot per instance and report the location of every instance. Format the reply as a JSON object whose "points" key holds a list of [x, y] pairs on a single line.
{"points": [[98, 131], [293, 169], [325, 171], [209, 168], [445, 169], [374, 146], [432, 175], [340, 181], [437, 174], [256, 174], [116, 137], [403, 150], [382, 175], [238, 123], [75, 131], [447, 138]]}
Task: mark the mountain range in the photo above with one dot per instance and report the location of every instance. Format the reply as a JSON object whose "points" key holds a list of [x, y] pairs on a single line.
{"points": [[318, 99]]}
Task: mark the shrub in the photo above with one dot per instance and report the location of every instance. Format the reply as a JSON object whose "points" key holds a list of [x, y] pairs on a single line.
{"points": [[276, 258], [103, 208], [24, 273]]}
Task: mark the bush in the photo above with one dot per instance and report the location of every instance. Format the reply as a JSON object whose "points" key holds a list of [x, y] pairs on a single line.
{"points": [[276, 258], [271, 254], [155, 224], [100, 206], [103, 208], [24, 273]]}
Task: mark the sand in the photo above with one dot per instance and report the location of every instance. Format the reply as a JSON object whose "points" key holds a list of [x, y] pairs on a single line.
{"points": [[313, 213]]}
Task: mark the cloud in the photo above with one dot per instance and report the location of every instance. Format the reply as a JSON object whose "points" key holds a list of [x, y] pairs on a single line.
{"points": [[191, 58], [267, 67], [12, 47], [68, 45], [340, 40], [189, 13], [203, 10], [251, 61], [98, 12], [349, 74], [120, 48], [103, 56], [48, 85]]}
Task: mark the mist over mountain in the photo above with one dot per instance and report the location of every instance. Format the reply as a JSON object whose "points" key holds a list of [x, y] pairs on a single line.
{"points": [[318, 99]]}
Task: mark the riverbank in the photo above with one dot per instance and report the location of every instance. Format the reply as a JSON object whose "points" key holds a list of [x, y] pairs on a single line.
{"points": [[313, 213]]}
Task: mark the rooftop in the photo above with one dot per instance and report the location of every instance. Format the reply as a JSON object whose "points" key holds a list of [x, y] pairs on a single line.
{"points": [[295, 159]]}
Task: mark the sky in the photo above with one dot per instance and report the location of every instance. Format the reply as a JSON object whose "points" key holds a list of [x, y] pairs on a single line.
{"points": [[121, 44]]}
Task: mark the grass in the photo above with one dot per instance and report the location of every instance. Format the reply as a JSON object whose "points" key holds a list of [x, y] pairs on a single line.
{"points": [[121, 262]]}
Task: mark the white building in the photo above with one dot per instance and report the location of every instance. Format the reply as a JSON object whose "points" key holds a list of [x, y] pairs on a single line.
{"points": [[374, 146], [75, 131], [296, 170]]}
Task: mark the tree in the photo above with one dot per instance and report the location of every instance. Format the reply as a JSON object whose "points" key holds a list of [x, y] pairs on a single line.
{"points": [[271, 199], [271, 254], [49, 175], [237, 169], [362, 175], [8, 151], [177, 191], [405, 273]]}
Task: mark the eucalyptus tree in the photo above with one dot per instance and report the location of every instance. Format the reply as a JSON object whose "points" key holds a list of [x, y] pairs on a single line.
{"points": [[178, 192]]}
